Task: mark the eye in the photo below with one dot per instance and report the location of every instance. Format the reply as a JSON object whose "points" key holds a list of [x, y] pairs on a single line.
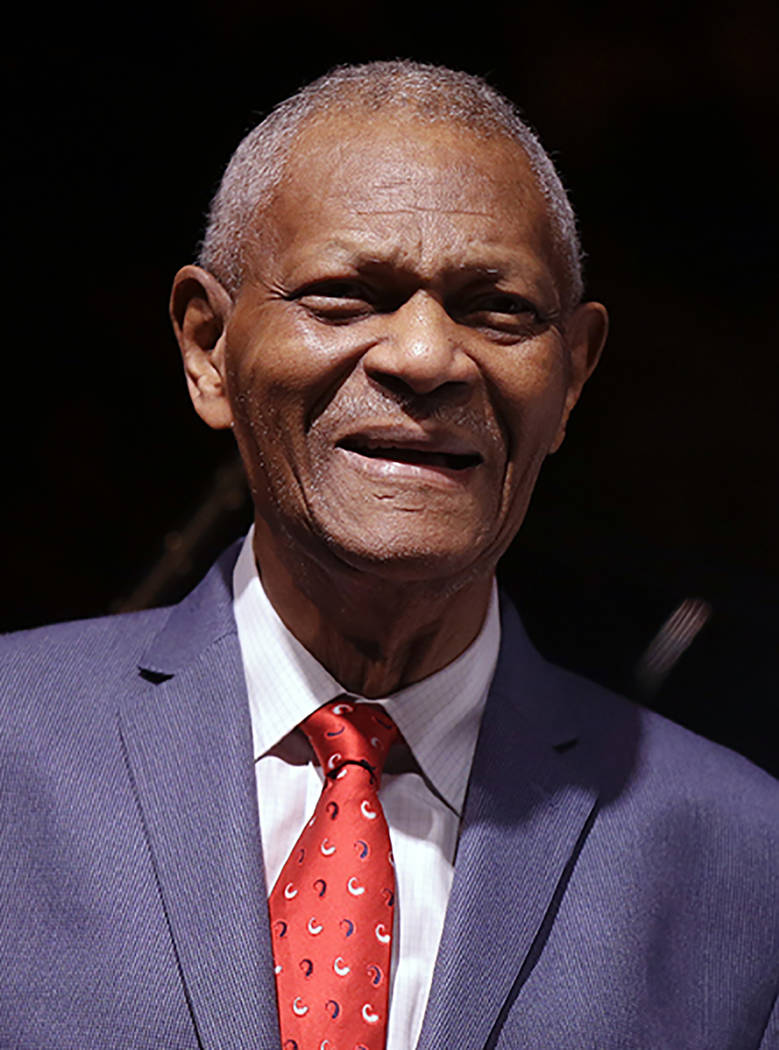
{"points": [[503, 303], [502, 312], [337, 301]]}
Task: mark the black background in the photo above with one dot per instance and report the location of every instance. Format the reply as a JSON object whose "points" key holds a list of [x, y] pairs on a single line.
{"points": [[663, 123]]}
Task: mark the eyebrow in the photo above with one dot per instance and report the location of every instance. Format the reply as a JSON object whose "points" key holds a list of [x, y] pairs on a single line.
{"points": [[433, 209], [488, 269]]}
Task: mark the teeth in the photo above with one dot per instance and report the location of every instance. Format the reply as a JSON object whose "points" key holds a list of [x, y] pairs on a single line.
{"points": [[451, 460], [411, 455]]}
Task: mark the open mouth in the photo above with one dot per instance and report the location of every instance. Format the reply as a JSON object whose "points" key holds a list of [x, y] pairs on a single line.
{"points": [[419, 457]]}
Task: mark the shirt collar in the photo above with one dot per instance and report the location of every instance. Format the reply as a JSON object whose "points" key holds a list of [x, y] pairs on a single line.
{"points": [[439, 716]]}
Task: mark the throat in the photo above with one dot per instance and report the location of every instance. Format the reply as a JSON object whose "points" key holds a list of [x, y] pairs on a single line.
{"points": [[373, 636]]}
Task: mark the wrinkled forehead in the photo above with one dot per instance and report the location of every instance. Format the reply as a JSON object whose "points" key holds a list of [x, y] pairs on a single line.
{"points": [[390, 162]]}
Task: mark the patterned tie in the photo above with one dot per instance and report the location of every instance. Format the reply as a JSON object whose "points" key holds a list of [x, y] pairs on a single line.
{"points": [[331, 909]]}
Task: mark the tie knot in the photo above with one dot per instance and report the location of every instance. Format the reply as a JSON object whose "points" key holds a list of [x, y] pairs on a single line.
{"points": [[344, 732]]}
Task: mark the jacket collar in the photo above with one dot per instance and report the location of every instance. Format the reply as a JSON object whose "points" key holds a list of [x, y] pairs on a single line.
{"points": [[553, 750], [532, 800], [203, 618], [186, 735]]}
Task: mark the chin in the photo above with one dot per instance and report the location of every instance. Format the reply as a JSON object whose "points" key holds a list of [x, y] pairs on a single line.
{"points": [[412, 558]]}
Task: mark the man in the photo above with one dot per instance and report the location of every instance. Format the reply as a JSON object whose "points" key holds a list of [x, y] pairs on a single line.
{"points": [[388, 314]]}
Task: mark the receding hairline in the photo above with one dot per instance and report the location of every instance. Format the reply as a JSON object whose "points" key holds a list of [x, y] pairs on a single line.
{"points": [[325, 129], [398, 115], [400, 90]]}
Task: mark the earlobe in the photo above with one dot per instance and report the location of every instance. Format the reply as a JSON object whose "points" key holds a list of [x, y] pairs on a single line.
{"points": [[199, 310], [585, 336]]}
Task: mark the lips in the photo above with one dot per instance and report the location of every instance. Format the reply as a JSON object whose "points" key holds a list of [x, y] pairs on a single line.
{"points": [[446, 454]]}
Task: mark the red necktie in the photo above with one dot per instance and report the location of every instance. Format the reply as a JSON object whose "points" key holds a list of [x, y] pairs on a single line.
{"points": [[331, 909]]}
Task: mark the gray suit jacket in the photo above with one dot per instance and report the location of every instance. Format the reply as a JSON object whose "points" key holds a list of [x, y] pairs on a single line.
{"points": [[616, 880]]}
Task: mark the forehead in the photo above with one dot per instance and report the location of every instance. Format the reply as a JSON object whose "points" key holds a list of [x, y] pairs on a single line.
{"points": [[426, 195]]}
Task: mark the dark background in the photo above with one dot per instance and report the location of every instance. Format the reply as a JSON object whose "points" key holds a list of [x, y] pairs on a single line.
{"points": [[663, 123]]}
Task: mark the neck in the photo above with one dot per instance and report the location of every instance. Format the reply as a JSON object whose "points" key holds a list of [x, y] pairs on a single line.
{"points": [[373, 634]]}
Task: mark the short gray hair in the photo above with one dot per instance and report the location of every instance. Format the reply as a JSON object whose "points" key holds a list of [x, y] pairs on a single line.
{"points": [[435, 94]]}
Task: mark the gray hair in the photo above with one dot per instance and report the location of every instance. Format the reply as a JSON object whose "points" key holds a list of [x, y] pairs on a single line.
{"points": [[433, 93]]}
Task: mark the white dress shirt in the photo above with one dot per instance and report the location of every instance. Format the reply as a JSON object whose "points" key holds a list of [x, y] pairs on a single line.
{"points": [[439, 719]]}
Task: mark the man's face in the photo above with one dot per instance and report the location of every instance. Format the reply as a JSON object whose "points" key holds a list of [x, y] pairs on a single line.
{"points": [[394, 361]]}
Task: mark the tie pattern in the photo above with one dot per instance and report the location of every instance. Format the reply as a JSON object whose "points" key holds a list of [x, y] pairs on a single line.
{"points": [[331, 909]]}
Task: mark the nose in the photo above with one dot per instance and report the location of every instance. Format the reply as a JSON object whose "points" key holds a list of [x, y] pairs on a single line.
{"points": [[421, 352]]}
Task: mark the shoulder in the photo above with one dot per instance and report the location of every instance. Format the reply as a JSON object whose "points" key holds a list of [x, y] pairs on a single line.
{"points": [[719, 801], [70, 671], [624, 741], [664, 756], [110, 647], [662, 789], [680, 865], [623, 744], [74, 673], [78, 645], [700, 811]]}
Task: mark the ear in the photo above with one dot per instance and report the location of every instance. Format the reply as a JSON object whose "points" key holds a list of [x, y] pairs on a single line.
{"points": [[200, 309], [585, 333]]}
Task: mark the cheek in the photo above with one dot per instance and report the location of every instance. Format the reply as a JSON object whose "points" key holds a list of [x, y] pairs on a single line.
{"points": [[292, 372], [276, 385], [260, 410], [529, 397]]}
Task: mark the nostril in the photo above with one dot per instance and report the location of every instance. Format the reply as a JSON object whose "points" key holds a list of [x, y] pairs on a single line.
{"points": [[418, 354], [402, 388], [418, 398]]}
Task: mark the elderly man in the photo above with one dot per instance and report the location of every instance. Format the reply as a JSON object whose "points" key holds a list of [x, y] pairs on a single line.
{"points": [[334, 800]]}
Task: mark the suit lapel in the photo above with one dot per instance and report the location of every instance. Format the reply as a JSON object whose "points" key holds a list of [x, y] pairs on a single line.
{"points": [[188, 745], [527, 813]]}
